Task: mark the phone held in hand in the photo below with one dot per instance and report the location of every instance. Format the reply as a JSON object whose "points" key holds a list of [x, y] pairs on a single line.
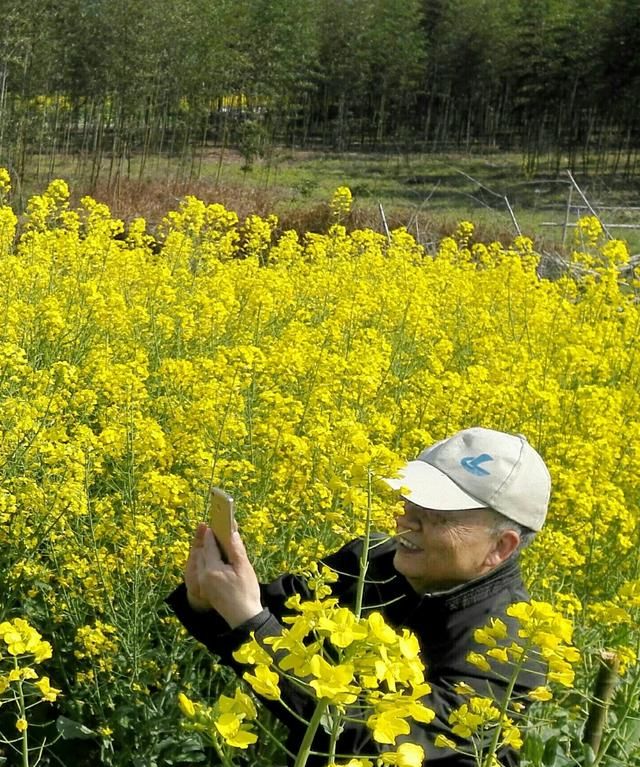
{"points": [[221, 518]]}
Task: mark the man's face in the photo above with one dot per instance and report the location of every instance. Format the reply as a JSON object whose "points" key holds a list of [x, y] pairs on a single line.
{"points": [[436, 550]]}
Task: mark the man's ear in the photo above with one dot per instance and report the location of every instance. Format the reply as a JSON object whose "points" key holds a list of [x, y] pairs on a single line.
{"points": [[504, 546]]}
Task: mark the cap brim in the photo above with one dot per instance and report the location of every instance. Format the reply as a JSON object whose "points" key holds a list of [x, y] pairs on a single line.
{"points": [[426, 486]]}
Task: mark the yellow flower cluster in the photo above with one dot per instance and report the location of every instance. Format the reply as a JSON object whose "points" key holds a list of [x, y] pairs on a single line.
{"points": [[588, 231], [477, 715], [228, 718], [407, 755], [370, 656], [8, 219], [341, 203], [135, 369], [21, 647], [22, 639], [619, 618], [622, 608], [5, 183], [546, 631], [97, 645], [547, 635]]}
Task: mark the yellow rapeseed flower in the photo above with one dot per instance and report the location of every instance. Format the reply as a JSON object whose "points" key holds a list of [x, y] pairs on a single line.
{"points": [[186, 705], [406, 755], [252, 653], [333, 681], [264, 682], [341, 201], [231, 728], [387, 725], [479, 661], [5, 182], [540, 693], [441, 741], [21, 724], [48, 693], [341, 627]]}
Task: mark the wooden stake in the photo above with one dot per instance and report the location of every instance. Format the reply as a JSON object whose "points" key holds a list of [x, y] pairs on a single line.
{"points": [[567, 216], [602, 695]]}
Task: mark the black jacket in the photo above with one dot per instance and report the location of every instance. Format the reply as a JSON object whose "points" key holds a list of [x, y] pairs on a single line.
{"points": [[443, 622]]}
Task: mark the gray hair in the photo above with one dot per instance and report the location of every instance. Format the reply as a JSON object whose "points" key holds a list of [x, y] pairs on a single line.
{"points": [[500, 523]]}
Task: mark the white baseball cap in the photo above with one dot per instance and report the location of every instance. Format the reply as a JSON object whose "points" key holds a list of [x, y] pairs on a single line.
{"points": [[476, 468]]}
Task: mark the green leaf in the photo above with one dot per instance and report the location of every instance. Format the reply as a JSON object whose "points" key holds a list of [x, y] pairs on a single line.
{"points": [[629, 732], [550, 752], [328, 721], [70, 729], [177, 751], [589, 755], [533, 748]]}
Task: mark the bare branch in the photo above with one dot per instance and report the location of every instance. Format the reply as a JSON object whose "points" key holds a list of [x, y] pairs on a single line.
{"points": [[588, 204], [384, 223]]}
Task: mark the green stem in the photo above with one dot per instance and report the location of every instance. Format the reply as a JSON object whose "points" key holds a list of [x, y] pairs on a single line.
{"points": [[305, 747], [364, 556], [23, 715], [273, 738], [488, 760], [220, 751], [337, 721], [323, 703]]}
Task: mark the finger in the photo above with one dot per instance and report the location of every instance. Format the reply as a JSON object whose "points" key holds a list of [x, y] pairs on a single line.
{"points": [[237, 552], [201, 570], [211, 551], [198, 538]]}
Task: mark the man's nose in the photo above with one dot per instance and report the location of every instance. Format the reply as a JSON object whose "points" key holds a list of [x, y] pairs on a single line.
{"points": [[408, 520]]}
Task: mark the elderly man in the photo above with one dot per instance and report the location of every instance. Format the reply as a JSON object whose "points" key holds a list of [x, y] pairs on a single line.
{"points": [[470, 503]]}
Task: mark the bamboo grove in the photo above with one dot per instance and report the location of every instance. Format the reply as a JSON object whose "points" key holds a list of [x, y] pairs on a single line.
{"points": [[104, 82]]}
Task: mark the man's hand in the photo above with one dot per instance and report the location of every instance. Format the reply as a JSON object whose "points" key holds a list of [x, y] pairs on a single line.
{"points": [[191, 570], [231, 589]]}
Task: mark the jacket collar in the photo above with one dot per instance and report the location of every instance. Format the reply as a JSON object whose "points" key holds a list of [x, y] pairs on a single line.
{"points": [[476, 590]]}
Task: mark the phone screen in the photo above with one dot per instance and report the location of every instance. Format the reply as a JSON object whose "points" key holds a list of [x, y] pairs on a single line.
{"points": [[221, 518]]}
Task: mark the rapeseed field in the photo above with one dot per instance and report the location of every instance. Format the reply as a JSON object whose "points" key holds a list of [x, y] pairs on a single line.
{"points": [[294, 371]]}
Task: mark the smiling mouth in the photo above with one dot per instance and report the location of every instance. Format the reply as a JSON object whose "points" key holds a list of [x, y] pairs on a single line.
{"points": [[403, 543]]}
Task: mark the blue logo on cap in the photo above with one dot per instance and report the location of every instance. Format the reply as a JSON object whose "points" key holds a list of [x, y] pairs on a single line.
{"points": [[472, 464]]}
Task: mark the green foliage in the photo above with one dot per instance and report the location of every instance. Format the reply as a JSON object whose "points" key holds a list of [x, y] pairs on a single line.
{"points": [[126, 79]]}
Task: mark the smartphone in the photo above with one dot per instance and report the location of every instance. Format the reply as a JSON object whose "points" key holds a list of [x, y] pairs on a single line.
{"points": [[221, 518]]}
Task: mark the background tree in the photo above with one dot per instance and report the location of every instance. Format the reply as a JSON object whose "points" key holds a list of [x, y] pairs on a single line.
{"points": [[110, 84]]}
